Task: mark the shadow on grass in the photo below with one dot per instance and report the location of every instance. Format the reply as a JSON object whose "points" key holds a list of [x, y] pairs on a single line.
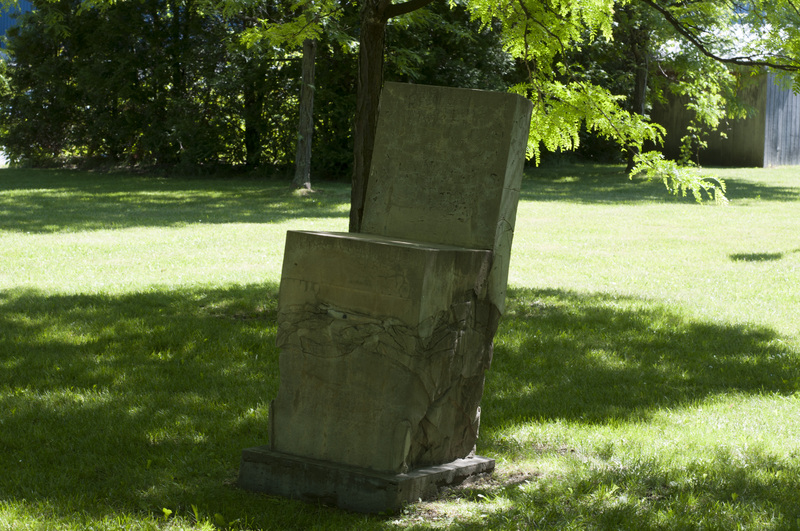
{"points": [[750, 490], [136, 403], [760, 257], [54, 201], [598, 358], [131, 404], [593, 183], [756, 257]]}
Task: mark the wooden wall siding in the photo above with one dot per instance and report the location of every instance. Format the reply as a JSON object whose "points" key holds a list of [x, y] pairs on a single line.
{"points": [[744, 141], [768, 137], [674, 118], [743, 144], [782, 118]]}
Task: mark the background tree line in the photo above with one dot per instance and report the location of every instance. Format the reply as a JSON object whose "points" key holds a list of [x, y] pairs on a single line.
{"points": [[171, 83], [192, 83]]}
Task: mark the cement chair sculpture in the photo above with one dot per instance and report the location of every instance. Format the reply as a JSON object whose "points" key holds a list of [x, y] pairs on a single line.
{"points": [[385, 335]]}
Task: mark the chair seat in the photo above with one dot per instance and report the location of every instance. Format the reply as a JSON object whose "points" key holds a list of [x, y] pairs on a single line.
{"points": [[378, 276], [374, 334]]}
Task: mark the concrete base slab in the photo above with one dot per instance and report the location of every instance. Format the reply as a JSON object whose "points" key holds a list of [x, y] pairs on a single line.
{"points": [[350, 488]]}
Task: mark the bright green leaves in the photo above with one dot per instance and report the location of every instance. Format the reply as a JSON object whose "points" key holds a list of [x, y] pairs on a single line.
{"points": [[291, 32], [540, 34], [543, 33], [539, 31], [563, 107], [679, 180], [284, 26]]}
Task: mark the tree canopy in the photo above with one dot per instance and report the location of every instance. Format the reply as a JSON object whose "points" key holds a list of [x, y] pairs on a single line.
{"points": [[583, 63], [543, 35]]}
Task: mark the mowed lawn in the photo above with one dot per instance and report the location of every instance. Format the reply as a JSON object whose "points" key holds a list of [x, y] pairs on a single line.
{"points": [[646, 374]]}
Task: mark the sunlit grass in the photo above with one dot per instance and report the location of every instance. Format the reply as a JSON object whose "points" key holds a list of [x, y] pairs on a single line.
{"points": [[735, 264], [645, 375], [77, 232]]}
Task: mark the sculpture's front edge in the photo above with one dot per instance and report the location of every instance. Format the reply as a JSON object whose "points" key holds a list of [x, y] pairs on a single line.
{"points": [[350, 488]]}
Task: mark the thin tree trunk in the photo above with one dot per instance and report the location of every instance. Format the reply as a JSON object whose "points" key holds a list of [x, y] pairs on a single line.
{"points": [[253, 106], [305, 130], [642, 73], [640, 44]]}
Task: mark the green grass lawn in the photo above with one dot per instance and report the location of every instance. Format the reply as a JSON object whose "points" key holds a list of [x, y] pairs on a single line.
{"points": [[645, 376]]}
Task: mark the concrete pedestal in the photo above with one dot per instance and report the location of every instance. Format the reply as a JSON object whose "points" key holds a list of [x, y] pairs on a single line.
{"points": [[347, 487]]}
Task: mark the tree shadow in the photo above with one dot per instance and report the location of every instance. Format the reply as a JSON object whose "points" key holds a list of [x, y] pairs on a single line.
{"points": [[605, 184], [755, 257], [598, 359], [54, 201], [144, 401], [594, 358], [643, 495], [760, 257], [139, 402]]}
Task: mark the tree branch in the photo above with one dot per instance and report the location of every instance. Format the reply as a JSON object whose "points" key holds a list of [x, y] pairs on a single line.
{"points": [[538, 23], [394, 10], [698, 43]]}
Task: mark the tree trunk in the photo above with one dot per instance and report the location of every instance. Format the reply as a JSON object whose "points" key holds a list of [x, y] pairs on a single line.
{"points": [[305, 129], [370, 83], [642, 73], [253, 107], [374, 16], [640, 44]]}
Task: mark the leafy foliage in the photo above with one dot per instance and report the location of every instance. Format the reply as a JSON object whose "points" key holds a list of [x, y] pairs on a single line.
{"points": [[133, 83], [697, 45], [141, 83], [680, 180], [443, 45], [176, 96]]}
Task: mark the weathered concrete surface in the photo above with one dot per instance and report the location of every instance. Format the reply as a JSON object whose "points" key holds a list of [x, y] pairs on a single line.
{"points": [[382, 370], [447, 168], [385, 336], [347, 487]]}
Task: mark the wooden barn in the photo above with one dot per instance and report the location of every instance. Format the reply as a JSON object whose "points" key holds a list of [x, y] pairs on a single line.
{"points": [[768, 137]]}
